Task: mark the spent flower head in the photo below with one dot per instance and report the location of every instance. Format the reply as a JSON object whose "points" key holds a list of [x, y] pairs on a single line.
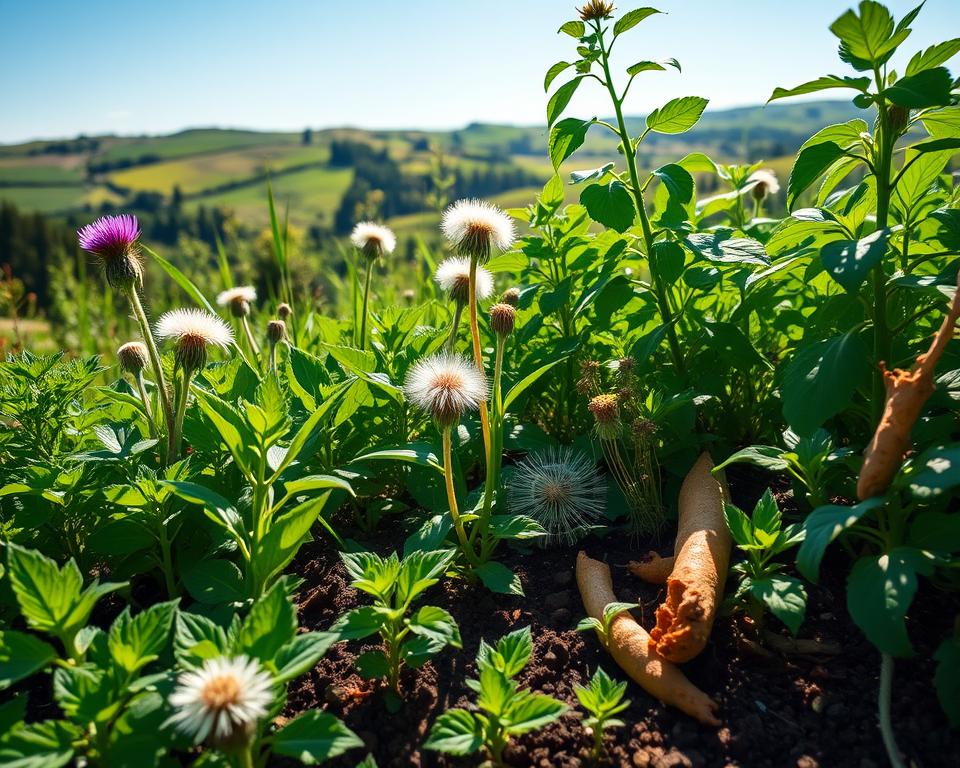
{"points": [[133, 357], [222, 701], [446, 386], [114, 241], [476, 229], [238, 300], [764, 182], [453, 276], [284, 311], [511, 296], [502, 318], [192, 331], [276, 331], [560, 489], [596, 10], [373, 240], [606, 412]]}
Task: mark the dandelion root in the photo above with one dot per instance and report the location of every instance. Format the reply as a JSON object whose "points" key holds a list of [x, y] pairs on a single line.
{"points": [[652, 568], [629, 644]]}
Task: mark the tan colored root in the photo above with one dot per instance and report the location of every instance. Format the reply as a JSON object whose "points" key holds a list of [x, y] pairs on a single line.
{"points": [[702, 556], [906, 394], [652, 568], [629, 644]]}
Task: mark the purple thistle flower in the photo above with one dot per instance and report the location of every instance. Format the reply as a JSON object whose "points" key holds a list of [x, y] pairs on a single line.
{"points": [[113, 239]]}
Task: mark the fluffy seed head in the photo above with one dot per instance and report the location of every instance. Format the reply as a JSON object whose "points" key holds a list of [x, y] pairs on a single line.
{"points": [[133, 357], [238, 300], [373, 240], [453, 275], [113, 240], [502, 319], [222, 701], [284, 311], [446, 386], [561, 490], [192, 331], [476, 228], [276, 331], [511, 296], [765, 183], [596, 9], [606, 412]]}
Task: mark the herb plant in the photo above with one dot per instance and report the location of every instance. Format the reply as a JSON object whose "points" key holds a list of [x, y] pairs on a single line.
{"points": [[603, 699]]}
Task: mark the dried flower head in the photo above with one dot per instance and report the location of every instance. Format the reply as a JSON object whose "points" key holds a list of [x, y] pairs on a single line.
{"points": [[764, 182], [589, 366], [373, 240], [284, 311], [511, 296], [596, 10], [113, 240], [238, 300], [276, 331], [476, 228], [192, 331], [453, 276], [560, 489], [446, 386], [133, 357], [606, 412], [644, 429], [502, 319], [222, 701]]}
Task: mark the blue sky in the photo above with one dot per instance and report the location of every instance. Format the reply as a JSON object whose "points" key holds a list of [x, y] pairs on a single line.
{"points": [[155, 66]]}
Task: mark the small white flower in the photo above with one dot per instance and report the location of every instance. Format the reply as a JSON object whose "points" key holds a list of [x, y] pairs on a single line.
{"points": [[560, 489], [476, 228], [193, 330], [374, 240], [767, 178], [221, 699], [446, 386], [245, 293], [453, 276]]}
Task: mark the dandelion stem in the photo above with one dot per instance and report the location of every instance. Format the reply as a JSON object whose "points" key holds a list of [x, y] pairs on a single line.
{"points": [[495, 458], [156, 364], [363, 312], [182, 397], [254, 347], [142, 390], [454, 327], [452, 496], [477, 353]]}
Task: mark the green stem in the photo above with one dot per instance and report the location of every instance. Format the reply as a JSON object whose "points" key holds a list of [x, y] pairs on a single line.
{"points": [[454, 327], [254, 347], [477, 352], [142, 390], [881, 333], [167, 559], [452, 497], [363, 312], [155, 363], [495, 457], [182, 397], [886, 726]]}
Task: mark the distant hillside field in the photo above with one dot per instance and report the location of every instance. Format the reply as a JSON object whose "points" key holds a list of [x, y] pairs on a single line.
{"points": [[228, 169]]}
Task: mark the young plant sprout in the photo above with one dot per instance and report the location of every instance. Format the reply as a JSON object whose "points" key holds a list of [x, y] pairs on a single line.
{"points": [[446, 386], [374, 242], [603, 699], [133, 357], [114, 240], [453, 276], [561, 489], [192, 332], [238, 301]]}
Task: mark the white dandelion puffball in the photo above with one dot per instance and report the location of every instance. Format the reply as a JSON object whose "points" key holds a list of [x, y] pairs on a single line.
{"points": [[238, 300], [446, 386], [767, 179], [373, 240], [560, 489], [477, 228], [453, 276], [223, 698], [193, 330]]}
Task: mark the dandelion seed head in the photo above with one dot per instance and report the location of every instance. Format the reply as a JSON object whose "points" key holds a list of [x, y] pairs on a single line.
{"points": [[476, 228], [764, 182], [222, 701], [453, 276], [276, 331], [238, 300], [560, 489], [114, 241], [284, 311], [192, 331], [446, 386], [373, 240]]}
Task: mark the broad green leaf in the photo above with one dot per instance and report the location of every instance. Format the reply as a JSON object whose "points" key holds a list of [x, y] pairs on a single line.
{"points": [[526, 382], [849, 261], [46, 594], [866, 39], [723, 249], [821, 84], [217, 508], [435, 623], [657, 66], [822, 526], [610, 205], [739, 525], [785, 596], [314, 737], [270, 625], [532, 711], [946, 678], [498, 578], [677, 115], [631, 18], [935, 531], [287, 533], [573, 28], [372, 665], [566, 137], [674, 196], [929, 88], [421, 570], [558, 102], [22, 655], [594, 174], [214, 581], [135, 642], [197, 638], [766, 456], [455, 732], [512, 652], [555, 72], [935, 473], [301, 655], [812, 162], [518, 527], [766, 515], [416, 453], [360, 622], [933, 56], [47, 744]]}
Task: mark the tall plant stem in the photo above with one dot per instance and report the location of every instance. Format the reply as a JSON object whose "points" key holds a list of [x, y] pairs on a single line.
{"points": [[454, 328], [167, 560], [182, 396], [366, 298], [452, 496], [254, 347], [881, 332], [886, 726], [495, 457], [142, 391], [659, 290], [157, 366], [477, 353]]}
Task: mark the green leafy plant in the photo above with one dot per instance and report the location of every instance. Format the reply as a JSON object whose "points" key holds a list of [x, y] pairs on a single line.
{"points": [[602, 627], [410, 638], [762, 586], [503, 709], [603, 700]]}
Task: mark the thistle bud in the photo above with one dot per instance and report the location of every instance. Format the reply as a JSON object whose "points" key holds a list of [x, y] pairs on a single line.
{"points": [[897, 119], [133, 357], [596, 10], [276, 331], [284, 311], [114, 241], [511, 296], [502, 319], [238, 300], [606, 413]]}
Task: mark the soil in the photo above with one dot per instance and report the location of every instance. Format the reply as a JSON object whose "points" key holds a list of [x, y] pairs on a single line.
{"points": [[794, 710]]}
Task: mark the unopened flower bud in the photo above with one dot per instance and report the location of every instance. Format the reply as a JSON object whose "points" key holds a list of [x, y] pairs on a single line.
{"points": [[897, 119], [502, 319], [133, 357], [284, 311], [511, 296], [276, 331]]}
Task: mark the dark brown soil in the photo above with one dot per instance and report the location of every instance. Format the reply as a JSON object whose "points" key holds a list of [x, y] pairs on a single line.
{"points": [[776, 710]]}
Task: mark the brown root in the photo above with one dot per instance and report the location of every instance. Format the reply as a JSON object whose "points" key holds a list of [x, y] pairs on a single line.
{"points": [[652, 567]]}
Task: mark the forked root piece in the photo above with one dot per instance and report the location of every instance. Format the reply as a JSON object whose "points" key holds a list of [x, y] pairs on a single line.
{"points": [[629, 644], [652, 567], [702, 555], [906, 393]]}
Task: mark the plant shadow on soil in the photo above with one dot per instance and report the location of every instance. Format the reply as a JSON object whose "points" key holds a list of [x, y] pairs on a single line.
{"points": [[796, 710]]}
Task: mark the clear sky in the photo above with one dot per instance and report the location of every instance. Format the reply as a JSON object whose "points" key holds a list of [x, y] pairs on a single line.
{"points": [[155, 66]]}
